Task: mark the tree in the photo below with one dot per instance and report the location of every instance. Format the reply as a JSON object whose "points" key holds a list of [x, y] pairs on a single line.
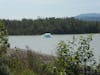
{"points": [[51, 25], [3, 50], [3, 40], [74, 58], [65, 60], [84, 53]]}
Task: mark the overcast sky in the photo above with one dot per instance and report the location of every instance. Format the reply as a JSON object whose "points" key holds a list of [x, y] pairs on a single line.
{"points": [[17, 9]]}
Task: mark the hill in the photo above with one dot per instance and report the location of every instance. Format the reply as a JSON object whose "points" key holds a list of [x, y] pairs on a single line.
{"points": [[89, 17]]}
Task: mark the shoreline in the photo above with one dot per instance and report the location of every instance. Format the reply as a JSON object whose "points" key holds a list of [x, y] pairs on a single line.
{"points": [[56, 34]]}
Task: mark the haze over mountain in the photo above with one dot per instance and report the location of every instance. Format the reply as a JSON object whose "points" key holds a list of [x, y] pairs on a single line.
{"points": [[89, 17]]}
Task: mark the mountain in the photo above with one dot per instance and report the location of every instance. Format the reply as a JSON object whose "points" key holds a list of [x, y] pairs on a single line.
{"points": [[89, 17]]}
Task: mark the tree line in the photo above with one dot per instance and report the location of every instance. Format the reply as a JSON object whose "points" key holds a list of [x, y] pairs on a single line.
{"points": [[51, 25]]}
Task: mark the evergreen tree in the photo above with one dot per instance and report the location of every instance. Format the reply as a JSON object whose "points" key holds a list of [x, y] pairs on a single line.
{"points": [[3, 50], [3, 40]]}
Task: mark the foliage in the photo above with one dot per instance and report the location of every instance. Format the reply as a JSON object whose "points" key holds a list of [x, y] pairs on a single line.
{"points": [[24, 72], [4, 70], [37, 64], [74, 58], [3, 39], [52, 25]]}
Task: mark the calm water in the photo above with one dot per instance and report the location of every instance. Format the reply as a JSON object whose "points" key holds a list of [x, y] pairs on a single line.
{"points": [[48, 45]]}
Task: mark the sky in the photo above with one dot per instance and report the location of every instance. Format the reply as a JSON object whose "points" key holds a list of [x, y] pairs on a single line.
{"points": [[18, 9]]}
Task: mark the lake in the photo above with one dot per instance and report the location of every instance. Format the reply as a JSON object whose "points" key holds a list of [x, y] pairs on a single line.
{"points": [[48, 45]]}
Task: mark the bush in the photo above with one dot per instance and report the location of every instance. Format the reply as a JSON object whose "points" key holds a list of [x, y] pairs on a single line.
{"points": [[4, 70]]}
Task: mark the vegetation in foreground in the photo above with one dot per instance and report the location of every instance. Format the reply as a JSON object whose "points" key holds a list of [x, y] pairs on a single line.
{"points": [[73, 58]]}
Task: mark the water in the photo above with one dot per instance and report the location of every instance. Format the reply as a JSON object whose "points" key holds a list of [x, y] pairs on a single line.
{"points": [[48, 45]]}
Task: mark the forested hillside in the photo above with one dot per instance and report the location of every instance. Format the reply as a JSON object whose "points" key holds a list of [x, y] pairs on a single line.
{"points": [[51, 25]]}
